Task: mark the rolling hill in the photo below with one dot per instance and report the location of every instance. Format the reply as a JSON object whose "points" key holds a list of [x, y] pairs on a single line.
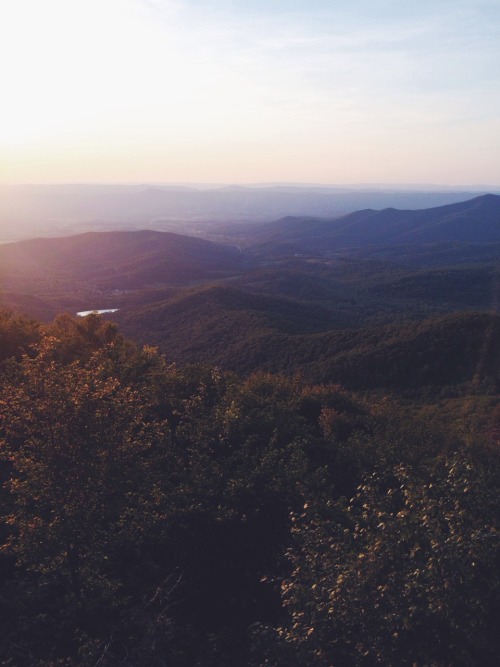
{"points": [[112, 261], [244, 332], [223, 324]]}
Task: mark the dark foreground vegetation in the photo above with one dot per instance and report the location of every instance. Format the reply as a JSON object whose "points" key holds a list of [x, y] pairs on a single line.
{"points": [[154, 514]]}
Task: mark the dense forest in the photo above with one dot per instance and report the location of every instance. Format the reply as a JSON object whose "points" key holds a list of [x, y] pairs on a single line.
{"points": [[156, 514]]}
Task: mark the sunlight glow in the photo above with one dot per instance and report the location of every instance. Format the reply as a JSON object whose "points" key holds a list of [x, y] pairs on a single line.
{"points": [[160, 89]]}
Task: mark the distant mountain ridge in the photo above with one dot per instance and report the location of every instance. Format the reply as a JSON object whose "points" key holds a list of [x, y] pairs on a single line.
{"points": [[26, 210], [473, 221]]}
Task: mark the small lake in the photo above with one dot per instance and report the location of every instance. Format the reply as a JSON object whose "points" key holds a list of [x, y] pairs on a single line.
{"points": [[84, 313]]}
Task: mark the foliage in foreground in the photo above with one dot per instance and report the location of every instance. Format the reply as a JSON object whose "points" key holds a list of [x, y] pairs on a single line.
{"points": [[406, 572], [184, 516]]}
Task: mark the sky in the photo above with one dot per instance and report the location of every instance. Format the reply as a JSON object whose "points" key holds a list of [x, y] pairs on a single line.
{"points": [[247, 91]]}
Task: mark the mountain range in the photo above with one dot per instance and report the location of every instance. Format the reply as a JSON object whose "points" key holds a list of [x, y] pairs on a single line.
{"points": [[30, 210], [475, 221], [331, 298]]}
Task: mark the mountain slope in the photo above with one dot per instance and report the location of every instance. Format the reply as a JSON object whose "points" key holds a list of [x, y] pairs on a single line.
{"points": [[113, 260], [473, 221], [222, 324], [247, 332]]}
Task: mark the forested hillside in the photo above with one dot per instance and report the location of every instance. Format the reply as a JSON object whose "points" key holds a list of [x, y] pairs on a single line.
{"points": [[112, 260], [156, 514], [245, 332]]}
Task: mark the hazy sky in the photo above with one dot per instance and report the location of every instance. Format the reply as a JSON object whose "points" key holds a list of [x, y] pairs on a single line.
{"points": [[328, 91]]}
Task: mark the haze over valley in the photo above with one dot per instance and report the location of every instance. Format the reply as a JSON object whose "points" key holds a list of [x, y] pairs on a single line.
{"points": [[59, 210]]}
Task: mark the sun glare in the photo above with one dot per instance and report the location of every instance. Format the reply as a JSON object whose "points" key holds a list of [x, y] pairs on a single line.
{"points": [[63, 64], [206, 88]]}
